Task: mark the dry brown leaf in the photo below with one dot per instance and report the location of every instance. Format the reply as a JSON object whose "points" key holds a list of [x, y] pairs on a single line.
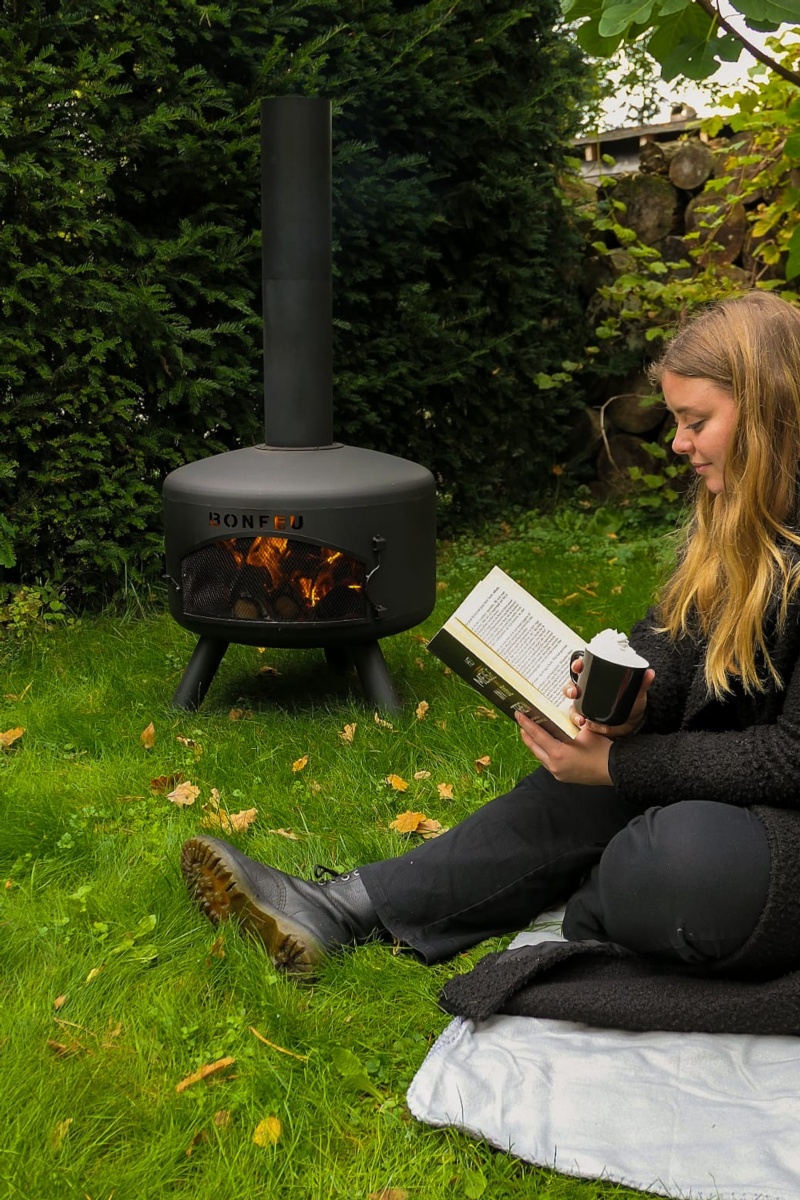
{"points": [[214, 798], [230, 822], [267, 1132], [422, 710], [268, 670], [431, 829], [389, 1193], [300, 764], [190, 744], [380, 721], [205, 1072], [200, 1137], [422, 774], [488, 713], [397, 782], [165, 783], [483, 761], [184, 794], [148, 736], [59, 1002], [10, 736], [407, 822], [348, 733], [223, 1119], [445, 790], [419, 664], [59, 1132], [21, 695], [287, 833], [62, 1049], [240, 714]]}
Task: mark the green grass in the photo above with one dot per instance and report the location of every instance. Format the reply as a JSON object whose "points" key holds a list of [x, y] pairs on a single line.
{"points": [[94, 910]]}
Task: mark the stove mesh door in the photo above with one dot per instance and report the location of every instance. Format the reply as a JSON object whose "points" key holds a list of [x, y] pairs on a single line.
{"points": [[272, 579]]}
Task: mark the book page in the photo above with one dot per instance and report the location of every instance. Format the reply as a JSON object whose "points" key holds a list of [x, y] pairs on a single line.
{"points": [[535, 647]]}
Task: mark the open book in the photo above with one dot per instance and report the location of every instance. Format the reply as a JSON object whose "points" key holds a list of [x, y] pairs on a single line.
{"points": [[512, 650]]}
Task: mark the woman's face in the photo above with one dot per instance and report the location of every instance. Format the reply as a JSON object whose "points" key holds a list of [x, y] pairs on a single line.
{"points": [[705, 416]]}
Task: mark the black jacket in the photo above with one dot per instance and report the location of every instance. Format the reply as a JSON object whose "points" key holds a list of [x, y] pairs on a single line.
{"points": [[743, 750]]}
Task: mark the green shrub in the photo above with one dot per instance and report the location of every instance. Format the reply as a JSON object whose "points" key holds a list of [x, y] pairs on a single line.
{"points": [[130, 261]]}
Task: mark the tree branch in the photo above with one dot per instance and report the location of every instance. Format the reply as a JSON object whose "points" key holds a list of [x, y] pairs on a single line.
{"points": [[709, 7]]}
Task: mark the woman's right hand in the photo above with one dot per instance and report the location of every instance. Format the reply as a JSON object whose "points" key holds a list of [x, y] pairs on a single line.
{"points": [[571, 691]]}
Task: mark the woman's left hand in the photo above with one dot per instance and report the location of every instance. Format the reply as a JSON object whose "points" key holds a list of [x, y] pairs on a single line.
{"points": [[583, 760]]}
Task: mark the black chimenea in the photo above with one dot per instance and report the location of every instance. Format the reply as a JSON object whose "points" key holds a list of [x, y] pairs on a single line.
{"points": [[301, 541]]}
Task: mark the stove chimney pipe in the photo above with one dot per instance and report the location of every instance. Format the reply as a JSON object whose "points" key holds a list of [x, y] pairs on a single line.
{"points": [[296, 263]]}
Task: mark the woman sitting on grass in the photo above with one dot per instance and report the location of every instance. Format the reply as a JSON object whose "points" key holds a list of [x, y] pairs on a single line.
{"points": [[677, 834]]}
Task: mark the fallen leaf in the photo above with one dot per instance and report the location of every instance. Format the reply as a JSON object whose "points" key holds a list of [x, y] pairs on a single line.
{"points": [[315, 787], [397, 783], [431, 829], [483, 761], [20, 695], [59, 1132], [95, 971], [148, 736], [445, 790], [59, 1002], [389, 1193], [200, 1137], [63, 1049], [380, 721], [10, 736], [190, 744], [267, 1132], [230, 822], [223, 1119], [489, 713], [287, 833], [422, 710], [165, 783], [407, 822], [422, 774], [218, 947], [240, 714], [348, 733], [268, 670], [214, 798], [184, 794], [419, 664], [8, 885], [204, 1073], [300, 764]]}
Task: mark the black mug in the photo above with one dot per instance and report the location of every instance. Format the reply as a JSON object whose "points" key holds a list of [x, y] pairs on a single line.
{"points": [[607, 689]]}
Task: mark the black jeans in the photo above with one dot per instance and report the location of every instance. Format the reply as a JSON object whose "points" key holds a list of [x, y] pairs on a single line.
{"points": [[687, 881]]}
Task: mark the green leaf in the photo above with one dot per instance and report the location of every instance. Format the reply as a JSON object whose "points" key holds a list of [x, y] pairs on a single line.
{"points": [[474, 1184], [352, 1071], [766, 12], [618, 18], [792, 147], [590, 40]]}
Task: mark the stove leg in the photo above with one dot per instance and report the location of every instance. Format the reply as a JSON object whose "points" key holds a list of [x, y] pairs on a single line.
{"points": [[374, 676], [339, 659], [199, 674]]}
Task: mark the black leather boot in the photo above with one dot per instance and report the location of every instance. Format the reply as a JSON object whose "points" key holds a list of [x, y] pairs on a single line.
{"points": [[299, 922]]}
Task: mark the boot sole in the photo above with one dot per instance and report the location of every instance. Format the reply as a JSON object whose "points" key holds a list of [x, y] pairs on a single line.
{"points": [[220, 888]]}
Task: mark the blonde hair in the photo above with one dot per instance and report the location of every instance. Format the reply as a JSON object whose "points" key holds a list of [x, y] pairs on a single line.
{"points": [[738, 564]]}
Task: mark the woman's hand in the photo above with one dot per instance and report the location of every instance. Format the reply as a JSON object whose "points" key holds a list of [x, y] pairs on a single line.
{"points": [[583, 760], [611, 731]]}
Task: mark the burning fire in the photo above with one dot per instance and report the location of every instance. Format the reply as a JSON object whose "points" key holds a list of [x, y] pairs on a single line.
{"points": [[294, 577]]}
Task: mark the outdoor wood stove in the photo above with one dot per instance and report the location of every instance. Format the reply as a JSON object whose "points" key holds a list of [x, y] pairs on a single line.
{"points": [[301, 541]]}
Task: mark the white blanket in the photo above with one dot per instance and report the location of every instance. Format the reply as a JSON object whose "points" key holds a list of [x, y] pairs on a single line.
{"points": [[689, 1115]]}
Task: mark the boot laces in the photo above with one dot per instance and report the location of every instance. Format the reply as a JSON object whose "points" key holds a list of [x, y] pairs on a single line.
{"points": [[320, 871]]}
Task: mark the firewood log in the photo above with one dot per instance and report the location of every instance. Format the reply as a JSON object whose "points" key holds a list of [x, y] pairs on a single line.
{"points": [[651, 205], [691, 165]]}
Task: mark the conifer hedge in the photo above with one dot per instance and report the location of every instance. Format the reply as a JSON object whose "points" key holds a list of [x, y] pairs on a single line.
{"points": [[130, 340]]}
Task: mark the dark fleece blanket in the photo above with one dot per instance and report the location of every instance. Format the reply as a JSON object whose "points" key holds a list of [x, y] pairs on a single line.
{"points": [[599, 983], [755, 990]]}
